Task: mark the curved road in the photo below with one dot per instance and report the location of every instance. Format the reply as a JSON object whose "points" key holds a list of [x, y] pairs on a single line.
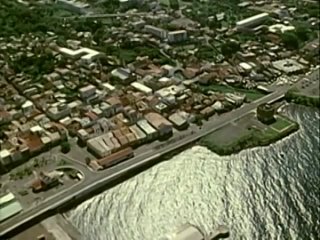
{"points": [[102, 178]]}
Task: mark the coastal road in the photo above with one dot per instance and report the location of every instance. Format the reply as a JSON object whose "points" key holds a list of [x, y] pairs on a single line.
{"points": [[101, 178]]}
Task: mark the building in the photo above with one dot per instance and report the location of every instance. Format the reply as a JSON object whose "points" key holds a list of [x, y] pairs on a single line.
{"points": [[58, 112], [150, 132], [87, 91], [138, 133], [86, 55], [115, 158], [45, 181], [155, 31], [141, 88], [265, 113], [5, 159], [177, 36], [27, 107], [9, 206], [78, 7], [178, 121], [235, 99], [252, 21], [163, 126], [121, 73], [288, 66], [104, 144]]}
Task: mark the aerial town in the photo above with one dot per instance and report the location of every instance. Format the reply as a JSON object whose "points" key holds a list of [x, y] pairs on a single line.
{"points": [[87, 85]]}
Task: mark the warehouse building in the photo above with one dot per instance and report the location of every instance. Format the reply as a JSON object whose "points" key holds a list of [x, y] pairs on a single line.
{"points": [[178, 121], [163, 126], [138, 133], [151, 133], [103, 145], [141, 88], [252, 21]]}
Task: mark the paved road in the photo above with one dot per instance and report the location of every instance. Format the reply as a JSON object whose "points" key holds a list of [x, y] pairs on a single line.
{"points": [[101, 178]]}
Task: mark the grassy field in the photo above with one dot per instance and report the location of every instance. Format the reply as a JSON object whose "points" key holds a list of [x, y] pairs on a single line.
{"points": [[252, 94], [231, 139], [280, 124]]}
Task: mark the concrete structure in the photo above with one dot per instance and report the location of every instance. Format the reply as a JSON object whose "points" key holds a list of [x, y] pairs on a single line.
{"points": [[115, 158], [177, 36], [141, 88], [252, 21], [280, 28], [288, 66], [155, 31], [121, 73], [235, 99], [27, 107], [139, 134], [150, 132], [58, 111], [103, 145], [265, 113], [87, 91]]}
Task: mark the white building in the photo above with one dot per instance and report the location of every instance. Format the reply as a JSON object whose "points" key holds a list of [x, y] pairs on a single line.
{"points": [[121, 73], [27, 107], [87, 91], [58, 111], [155, 31], [150, 132], [252, 21], [177, 36], [141, 88], [86, 55]]}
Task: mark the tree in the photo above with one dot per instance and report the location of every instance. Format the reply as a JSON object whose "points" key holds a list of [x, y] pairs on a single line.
{"points": [[174, 4], [302, 32], [65, 147], [290, 40], [229, 48]]}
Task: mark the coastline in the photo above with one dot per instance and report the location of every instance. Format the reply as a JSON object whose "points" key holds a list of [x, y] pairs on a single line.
{"points": [[253, 136], [293, 96]]}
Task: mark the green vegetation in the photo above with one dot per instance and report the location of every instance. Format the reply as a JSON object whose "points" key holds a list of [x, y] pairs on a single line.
{"points": [[65, 147], [280, 124], [290, 40], [229, 48], [294, 96], [252, 94], [250, 137]]}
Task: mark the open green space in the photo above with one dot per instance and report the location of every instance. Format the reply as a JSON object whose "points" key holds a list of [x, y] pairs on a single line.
{"points": [[234, 138], [252, 94], [280, 124], [296, 96]]}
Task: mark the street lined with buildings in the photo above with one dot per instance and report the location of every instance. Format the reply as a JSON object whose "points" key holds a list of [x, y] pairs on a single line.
{"points": [[108, 175]]}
